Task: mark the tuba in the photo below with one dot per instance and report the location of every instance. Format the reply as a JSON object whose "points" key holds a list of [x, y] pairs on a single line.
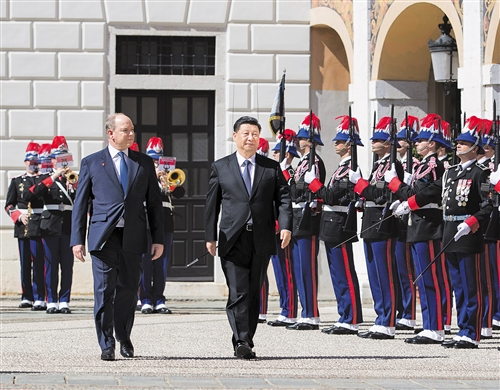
{"points": [[176, 178]]}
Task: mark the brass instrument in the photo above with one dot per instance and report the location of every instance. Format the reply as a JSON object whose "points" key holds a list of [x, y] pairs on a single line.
{"points": [[30, 211], [176, 178], [71, 176]]}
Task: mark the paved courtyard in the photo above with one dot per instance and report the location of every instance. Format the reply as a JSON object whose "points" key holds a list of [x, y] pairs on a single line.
{"points": [[192, 349]]}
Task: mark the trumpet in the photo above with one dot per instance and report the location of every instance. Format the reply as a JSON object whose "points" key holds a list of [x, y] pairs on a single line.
{"points": [[176, 178], [71, 176]]}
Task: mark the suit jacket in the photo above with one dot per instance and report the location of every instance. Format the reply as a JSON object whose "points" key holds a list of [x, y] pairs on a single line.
{"points": [[100, 194], [227, 190]]}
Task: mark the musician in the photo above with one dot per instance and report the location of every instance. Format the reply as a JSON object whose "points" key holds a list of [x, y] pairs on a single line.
{"points": [[282, 261], [379, 243], [405, 274], [154, 276], [25, 211], [338, 242], [58, 194], [490, 259], [420, 203], [305, 235], [466, 212]]}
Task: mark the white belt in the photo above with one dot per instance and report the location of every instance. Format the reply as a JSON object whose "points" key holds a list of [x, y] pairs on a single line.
{"points": [[369, 203], [167, 204], [431, 206], [34, 211], [299, 205], [60, 207], [340, 209]]}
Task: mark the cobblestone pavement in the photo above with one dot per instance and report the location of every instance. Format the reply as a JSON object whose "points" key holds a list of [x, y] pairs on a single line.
{"points": [[191, 349]]}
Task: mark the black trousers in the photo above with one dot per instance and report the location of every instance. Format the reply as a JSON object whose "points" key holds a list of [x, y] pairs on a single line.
{"points": [[245, 272], [117, 276]]}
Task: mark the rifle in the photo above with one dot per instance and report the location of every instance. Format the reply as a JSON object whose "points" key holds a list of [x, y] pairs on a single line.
{"points": [[455, 134], [493, 230], [282, 118], [374, 155], [409, 151], [350, 224], [305, 221], [386, 226]]}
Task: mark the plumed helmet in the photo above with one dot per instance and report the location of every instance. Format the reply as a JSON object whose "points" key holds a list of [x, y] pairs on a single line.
{"points": [[32, 151], [154, 148], [488, 137], [413, 126], [434, 128], [45, 153], [343, 130], [473, 132], [382, 129], [59, 146], [316, 126], [263, 148], [290, 136]]}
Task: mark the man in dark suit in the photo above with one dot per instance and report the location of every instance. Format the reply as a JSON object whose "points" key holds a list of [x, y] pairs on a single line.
{"points": [[250, 189], [117, 187]]}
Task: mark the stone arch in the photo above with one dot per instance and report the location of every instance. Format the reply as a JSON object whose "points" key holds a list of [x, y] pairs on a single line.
{"points": [[492, 44], [413, 22]]}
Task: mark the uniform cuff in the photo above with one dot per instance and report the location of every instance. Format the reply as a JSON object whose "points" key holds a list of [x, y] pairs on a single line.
{"points": [[497, 187], [47, 182], [286, 174], [473, 223], [315, 185], [15, 216], [394, 184], [412, 203], [360, 186]]}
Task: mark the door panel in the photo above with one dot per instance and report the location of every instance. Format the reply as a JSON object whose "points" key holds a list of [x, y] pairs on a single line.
{"points": [[184, 120]]}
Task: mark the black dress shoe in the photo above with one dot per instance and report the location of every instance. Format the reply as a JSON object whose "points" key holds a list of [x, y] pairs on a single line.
{"points": [[138, 308], [126, 349], [25, 305], [417, 330], [302, 326], [422, 340], [52, 310], [486, 337], [495, 327], [163, 310], [244, 351], [449, 343], [65, 310], [147, 311], [462, 344], [339, 330], [280, 323], [404, 327], [365, 335], [380, 336], [108, 354], [38, 308], [261, 321], [447, 331]]}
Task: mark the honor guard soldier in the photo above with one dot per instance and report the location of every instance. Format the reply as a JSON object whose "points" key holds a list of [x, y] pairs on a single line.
{"points": [[420, 203], [379, 240], [336, 196], [495, 181], [491, 308], [57, 190], [25, 210], [465, 213], [154, 276], [305, 231], [282, 262], [405, 274]]}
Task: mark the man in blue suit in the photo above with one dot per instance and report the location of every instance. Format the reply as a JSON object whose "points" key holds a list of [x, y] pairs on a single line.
{"points": [[117, 188]]}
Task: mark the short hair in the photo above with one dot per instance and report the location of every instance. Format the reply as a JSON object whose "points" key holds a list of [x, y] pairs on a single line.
{"points": [[246, 120], [110, 120]]}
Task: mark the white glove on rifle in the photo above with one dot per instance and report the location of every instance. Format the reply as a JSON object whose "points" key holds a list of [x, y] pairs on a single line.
{"points": [[462, 230], [390, 173], [394, 205], [309, 176], [354, 176], [313, 204], [408, 177], [283, 165], [495, 176], [402, 209]]}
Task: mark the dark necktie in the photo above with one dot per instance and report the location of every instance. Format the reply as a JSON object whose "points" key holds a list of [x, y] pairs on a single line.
{"points": [[123, 172], [246, 176]]}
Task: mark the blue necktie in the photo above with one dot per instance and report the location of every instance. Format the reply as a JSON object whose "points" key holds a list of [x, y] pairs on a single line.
{"points": [[247, 178], [123, 172]]}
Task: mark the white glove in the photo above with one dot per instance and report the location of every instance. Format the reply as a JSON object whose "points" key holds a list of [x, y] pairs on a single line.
{"points": [[354, 176], [360, 203], [462, 230], [313, 204], [408, 177], [495, 177], [394, 205], [283, 165], [310, 175], [390, 173], [402, 209]]}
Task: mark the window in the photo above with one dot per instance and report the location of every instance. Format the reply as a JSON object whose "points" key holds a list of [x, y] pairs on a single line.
{"points": [[166, 55]]}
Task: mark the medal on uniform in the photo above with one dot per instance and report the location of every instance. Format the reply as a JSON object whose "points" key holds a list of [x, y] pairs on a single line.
{"points": [[458, 192], [21, 187]]}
